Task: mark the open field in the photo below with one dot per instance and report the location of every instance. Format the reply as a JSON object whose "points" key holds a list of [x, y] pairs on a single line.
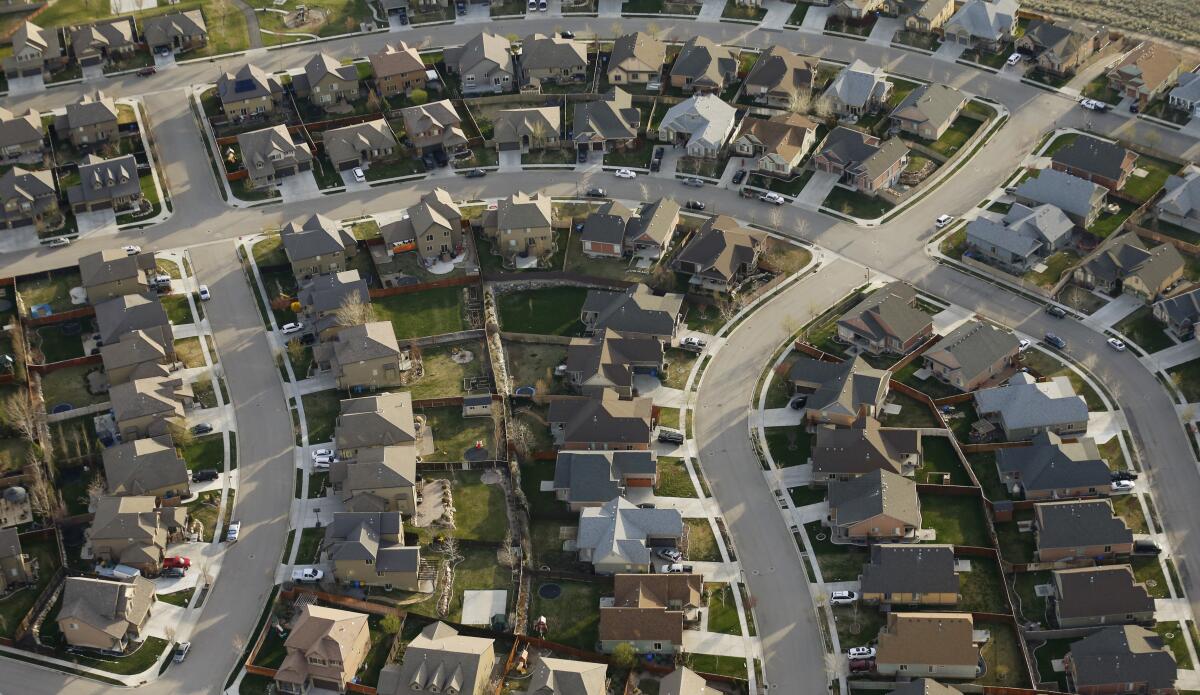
{"points": [[1158, 19]]}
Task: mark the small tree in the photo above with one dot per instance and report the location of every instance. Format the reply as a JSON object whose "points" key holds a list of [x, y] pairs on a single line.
{"points": [[21, 415], [623, 656], [800, 102], [295, 351], [390, 624], [418, 96], [823, 108], [181, 434], [354, 311]]}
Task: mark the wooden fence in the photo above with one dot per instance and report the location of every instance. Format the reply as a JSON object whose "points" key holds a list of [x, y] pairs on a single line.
{"points": [[459, 281], [80, 313], [63, 364]]}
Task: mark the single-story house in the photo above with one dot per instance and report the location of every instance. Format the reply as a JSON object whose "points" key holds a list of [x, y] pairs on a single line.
{"points": [[1050, 468], [972, 354], [1079, 530]]}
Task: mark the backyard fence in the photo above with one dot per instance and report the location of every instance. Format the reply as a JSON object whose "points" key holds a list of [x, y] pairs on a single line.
{"points": [[460, 281]]}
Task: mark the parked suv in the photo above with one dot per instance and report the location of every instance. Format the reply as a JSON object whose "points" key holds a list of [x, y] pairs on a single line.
{"points": [[670, 436]]}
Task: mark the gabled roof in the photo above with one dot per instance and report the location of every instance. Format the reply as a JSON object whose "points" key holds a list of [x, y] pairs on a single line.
{"points": [[131, 312], [1068, 193], [365, 342], [591, 477], [325, 634], [638, 52], [1024, 403], [106, 34], [721, 248], [937, 639], [435, 661], [325, 293], [314, 236], [655, 223], [1182, 308], [346, 142], [925, 686], [1049, 464], [103, 179], [606, 225], [782, 72], [30, 35], [143, 465], [523, 211], [110, 265], [862, 448], [888, 312], [609, 359], [684, 681], [567, 677], [395, 59], [540, 122], [18, 184], [973, 348], [1093, 155], [162, 29], [1148, 66], [380, 420], [619, 530], [541, 52], [636, 310], [1059, 39], [1188, 88], [785, 135], [376, 468], [985, 19], [109, 606], [857, 84], [262, 148], [484, 48], [1093, 592], [705, 117], [1079, 523], [134, 348], [1129, 257], [704, 61], [249, 82], [10, 543], [611, 117], [1122, 654], [861, 153], [150, 396], [376, 537], [439, 114], [602, 419], [841, 388], [1182, 196], [20, 130], [872, 494], [650, 607], [902, 568], [930, 103]]}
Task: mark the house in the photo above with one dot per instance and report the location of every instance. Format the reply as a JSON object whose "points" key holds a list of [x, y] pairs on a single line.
{"points": [[134, 312], [322, 296], [1126, 265], [134, 531], [924, 16], [928, 110], [104, 615], [248, 92], [103, 42], [90, 121], [650, 611], [886, 321], [652, 231], [1146, 72], [1021, 238], [1024, 407], [106, 184], [1050, 468], [562, 676], [925, 686], [1121, 659], [845, 453], [984, 24], [592, 478], [177, 32], [858, 89], [367, 549], [484, 64], [636, 58], [150, 406], [1079, 199], [600, 422], [777, 145], [902, 573], [1080, 529], [619, 536], [635, 312], [17, 568], [610, 361], [21, 137], [551, 60], [1095, 596], [838, 393], [439, 660], [1099, 161], [398, 69], [434, 127], [36, 51], [701, 124], [857, 9], [382, 420], [112, 273], [527, 128], [365, 357], [720, 256], [520, 226], [317, 245], [608, 123], [270, 154], [434, 227], [135, 356], [684, 681], [146, 467], [928, 644], [325, 648], [780, 78], [861, 160], [1180, 313], [325, 81], [359, 145], [1059, 48], [971, 355], [603, 233], [1186, 96], [1180, 203], [878, 506], [378, 479], [703, 67], [28, 198]]}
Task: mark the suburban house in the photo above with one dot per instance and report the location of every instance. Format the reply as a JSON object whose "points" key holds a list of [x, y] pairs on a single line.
{"points": [[1180, 204], [22, 137], [928, 110], [134, 312], [856, 9], [858, 89], [1050, 468], [249, 92], [1121, 659], [636, 58], [592, 478], [28, 198], [316, 245], [434, 127], [104, 615], [983, 24], [135, 356], [878, 506], [780, 77], [359, 145], [609, 361], [653, 229], [433, 227], [146, 467], [1095, 596], [325, 81], [106, 184], [928, 644], [1096, 160], [103, 42], [36, 52], [1186, 96], [322, 296], [619, 536], [635, 312], [650, 611], [551, 60], [527, 128], [1079, 199], [398, 69], [439, 660], [971, 355], [1146, 72], [382, 420], [910, 574], [325, 648], [520, 226], [1020, 238], [133, 531], [17, 568], [484, 64], [367, 549], [149, 407], [1180, 313], [685, 681], [1024, 407], [603, 233], [90, 121], [701, 124], [1080, 529], [720, 256], [703, 67], [1126, 265], [1059, 48], [924, 16], [600, 422], [925, 686], [886, 321], [176, 32], [365, 357], [777, 144], [553, 676], [270, 154], [838, 393], [861, 160], [607, 123], [378, 479], [113, 273], [865, 446]]}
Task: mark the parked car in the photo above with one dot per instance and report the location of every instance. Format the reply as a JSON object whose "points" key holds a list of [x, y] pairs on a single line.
{"points": [[429, 161], [677, 568], [318, 453], [1124, 475], [1014, 59], [307, 575], [1056, 311], [147, 71], [1056, 341], [461, 8], [173, 573], [653, 86], [205, 295], [671, 554], [739, 176], [1022, 345], [1146, 546], [322, 463], [59, 241], [289, 328], [543, 6], [625, 174], [942, 221], [583, 155], [798, 402], [596, 193], [861, 665], [667, 435], [402, 15], [476, 174], [177, 561], [359, 174], [202, 428], [1093, 105], [655, 165], [131, 249], [1117, 345], [533, 5], [772, 197], [566, 34], [204, 475], [1123, 485], [181, 652], [862, 652], [234, 530], [693, 343], [440, 157], [659, 152], [1134, 108], [694, 205], [693, 182], [842, 598]]}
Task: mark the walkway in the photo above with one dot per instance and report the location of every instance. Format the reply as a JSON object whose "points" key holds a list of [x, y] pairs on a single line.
{"points": [[698, 642], [251, 23]]}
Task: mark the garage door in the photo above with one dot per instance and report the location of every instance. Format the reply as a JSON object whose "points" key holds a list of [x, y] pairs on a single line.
{"points": [[509, 146], [280, 173]]}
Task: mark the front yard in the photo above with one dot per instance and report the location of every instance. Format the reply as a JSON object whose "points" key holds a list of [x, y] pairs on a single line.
{"points": [[320, 413], [856, 204], [700, 544], [789, 446], [838, 563], [673, 478], [1142, 328]]}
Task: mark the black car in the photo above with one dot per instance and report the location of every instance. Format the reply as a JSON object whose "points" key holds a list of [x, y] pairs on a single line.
{"points": [[1146, 547], [798, 402], [1056, 311], [202, 428], [739, 176], [308, 339], [173, 572], [596, 193], [204, 475], [670, 436], [655, 164], [583, 154], [430, 162], [1124, 475], [461, 7], [659, 152], [440, 156], [403, 17], [1055, 341], [476, 173], [566, 34], [694, 205]]}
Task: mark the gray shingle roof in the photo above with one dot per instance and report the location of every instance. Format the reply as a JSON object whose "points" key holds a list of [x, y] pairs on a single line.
{"points": [[636, 310], [1182, 196], [857, 84], [899, 568], [20, 130], [703, 60], [164, 28], [1129, 257], [485, 48], [593, 477], [1050, 464], [120, 315], [607, 224], [611, 117], [365, 342], [249, 82], [326, 293], [105, 179], [973, 348], [1079, 523], [1070, 194], [380, 420], [985, 19], [1024, 403], [345, 143], [143, 465], [1182, 309], [930, 103], [620, 528], [314, 236], [722, 249], [863, 447], [603, 419], [781, 72], [872, 494], [843, 388], [541, 52], [359, 536], [1088, 592], [1123, 654], [265, 147], [888, 311], [567, 677], [1091, 154]]}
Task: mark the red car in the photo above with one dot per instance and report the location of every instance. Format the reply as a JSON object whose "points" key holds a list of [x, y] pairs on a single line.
{"points": [[179, 561], [861, 665]]}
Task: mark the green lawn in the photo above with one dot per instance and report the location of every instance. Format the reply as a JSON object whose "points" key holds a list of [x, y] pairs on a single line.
{"points": [[982, 588], [751, 13], [1108, 224], [1174, 640], [1048, 366], [857, 624], [1099, 89], [931, 386], [1056, 264], [940, 456], [673, 478], [701, 543], [1149, 571], [838, 563], [1032, 607], [706, 318], [805, 495], [957, 520], [722, 611], [734, 666], [178, 310], [268, 252], [542, 505], [1186, 378], [453, 434], [1157, 171], [1130, 510], [57, 344], [205, 452], [573, 618], [431, 312], [1059, 142], [308, 550], [69, 385], [178, 598], [442, 375], [320, 414], [481, 513], [791, 186], [1002, 654], [226, 24], [478, 570], [957, 135], [546, 311], [789, 446], [913, 413], [1142, 328], [51, 288]]}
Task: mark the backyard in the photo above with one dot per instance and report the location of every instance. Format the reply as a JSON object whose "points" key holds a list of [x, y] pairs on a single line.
{"points": [[547, 311], [52, 289], [532, 364], [572, 618], [1142, 188], [225, 22], [480, 509], [66, 388], [429, 312], [14, 606], [1055, 265], [957, 520], [455, 438], [940, 457], [442, 375]]}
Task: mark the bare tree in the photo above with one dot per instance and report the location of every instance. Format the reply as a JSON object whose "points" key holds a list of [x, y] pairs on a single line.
{"points": [[23, 416], [40, 499], [354, 311], [181, 434], [95, 488], [822, 108], [800, 102]]}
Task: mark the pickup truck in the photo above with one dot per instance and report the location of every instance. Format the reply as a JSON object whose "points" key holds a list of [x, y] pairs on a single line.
{"points": [[307, 575]]}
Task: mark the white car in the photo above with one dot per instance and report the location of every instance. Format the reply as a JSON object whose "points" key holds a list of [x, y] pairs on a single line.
{"points": [[1117, 345], [1015, 58], [57, 242], [131, 249], [671, 554], [322, 463], [692, 342], [772, 197], [318, 453], [205, 295], [862, 652], [289, 328], [625, 174], [942, 221], [234, 530], [842, 598], [1022, 345], [1093, 105], [1122, 485], [533, 5], [307, 575], [359, 174]]}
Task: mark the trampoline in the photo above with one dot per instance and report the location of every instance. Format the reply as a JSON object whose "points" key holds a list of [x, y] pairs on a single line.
{"points": [[550, 591], [62, 408]]}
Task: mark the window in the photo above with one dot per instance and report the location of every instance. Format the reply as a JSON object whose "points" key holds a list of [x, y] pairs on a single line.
{"points": [[657, 646]]}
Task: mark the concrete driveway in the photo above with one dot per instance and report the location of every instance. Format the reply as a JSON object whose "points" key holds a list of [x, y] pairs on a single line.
{"points": [[26, 85], [883, 31], [510, 160], [815, 18], [816, 190], [299, 187], [98, 222]]}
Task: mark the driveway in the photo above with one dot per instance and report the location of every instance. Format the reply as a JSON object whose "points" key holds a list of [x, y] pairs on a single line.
{"points": [[949, 51], [883, 31], [815, 18], [610, 8], [163, 62], [699, 642], [25, 85], [510, 161], [351, 184], [298, 187], [816, 190], [711, 11], [777, 15], [93, 72], [98, 222]]}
